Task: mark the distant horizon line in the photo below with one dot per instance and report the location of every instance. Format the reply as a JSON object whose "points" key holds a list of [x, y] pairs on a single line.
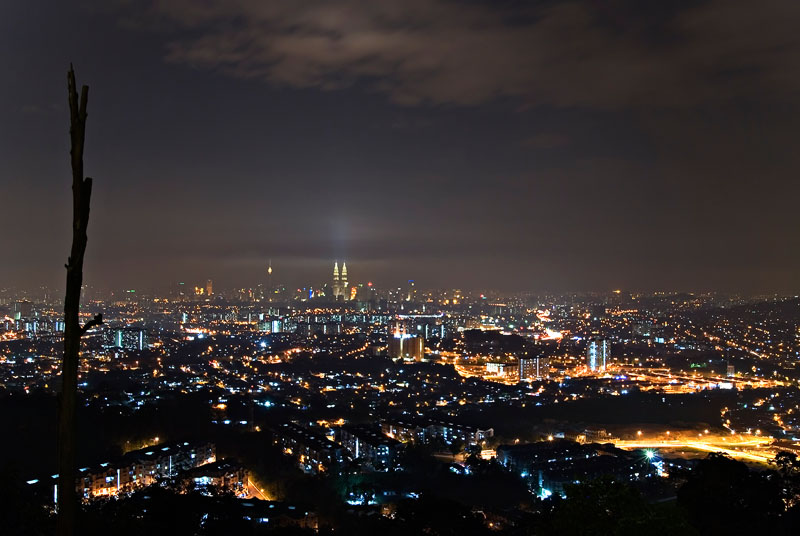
{"points": [[221, 290]]}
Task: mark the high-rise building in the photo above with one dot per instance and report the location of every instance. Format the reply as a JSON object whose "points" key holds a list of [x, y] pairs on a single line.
{"points": [[270, 289], [340, 288], [343, 289], [404, 345], [533, 368], [23, 309], [180, 290], [209, 288], [336, 281], [126, 338], [598, 351]]}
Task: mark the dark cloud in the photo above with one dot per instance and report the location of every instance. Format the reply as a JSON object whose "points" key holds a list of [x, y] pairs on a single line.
{"points": [[608, 55], [481, 144], [546, 140]]}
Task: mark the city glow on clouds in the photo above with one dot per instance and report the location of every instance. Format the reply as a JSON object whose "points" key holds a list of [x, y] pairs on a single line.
{"points": [[567, 54]]}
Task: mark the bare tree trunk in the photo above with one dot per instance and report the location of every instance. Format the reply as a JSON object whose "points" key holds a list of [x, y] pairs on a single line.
{"points": [[67, 499]]}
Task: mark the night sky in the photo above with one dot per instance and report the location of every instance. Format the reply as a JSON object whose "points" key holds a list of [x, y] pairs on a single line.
{"points": [[540, 145]]}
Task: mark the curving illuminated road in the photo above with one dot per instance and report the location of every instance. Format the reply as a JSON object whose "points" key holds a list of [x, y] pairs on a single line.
{"points": [[711, 444]]}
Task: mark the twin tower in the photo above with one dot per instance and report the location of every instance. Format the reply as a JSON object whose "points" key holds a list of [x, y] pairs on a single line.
{"points": [[340, 290]]}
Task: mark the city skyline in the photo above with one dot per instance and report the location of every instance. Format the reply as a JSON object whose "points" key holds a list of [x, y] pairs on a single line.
{"points": [[399, 267], [664, 161]]}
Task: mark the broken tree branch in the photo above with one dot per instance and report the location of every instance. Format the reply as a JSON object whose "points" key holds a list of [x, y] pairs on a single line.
{"points": [[67, 498], [94, 322]]}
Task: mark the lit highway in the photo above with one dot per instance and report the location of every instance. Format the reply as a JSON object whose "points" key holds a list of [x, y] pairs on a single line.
{"points": [[752, 449]]}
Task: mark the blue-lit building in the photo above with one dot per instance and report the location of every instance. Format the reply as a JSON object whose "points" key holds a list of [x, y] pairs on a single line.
{"points": [[598, 352], [126, 338]]}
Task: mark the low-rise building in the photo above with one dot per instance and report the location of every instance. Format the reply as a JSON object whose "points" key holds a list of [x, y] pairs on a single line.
{"points": [[370, 445], [429, 431], [315, 452], [220, 476]]}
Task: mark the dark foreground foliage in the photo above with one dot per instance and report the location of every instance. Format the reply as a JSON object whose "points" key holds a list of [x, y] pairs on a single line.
{"points": [[720, 496]]}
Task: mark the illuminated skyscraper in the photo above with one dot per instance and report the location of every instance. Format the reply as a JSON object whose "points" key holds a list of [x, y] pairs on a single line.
{"points": [[403, 345], [336, 282], [127, 338], [340, 290], [23, 309], [533, 368], [597, 353], [209, 288], [270, 290]]}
